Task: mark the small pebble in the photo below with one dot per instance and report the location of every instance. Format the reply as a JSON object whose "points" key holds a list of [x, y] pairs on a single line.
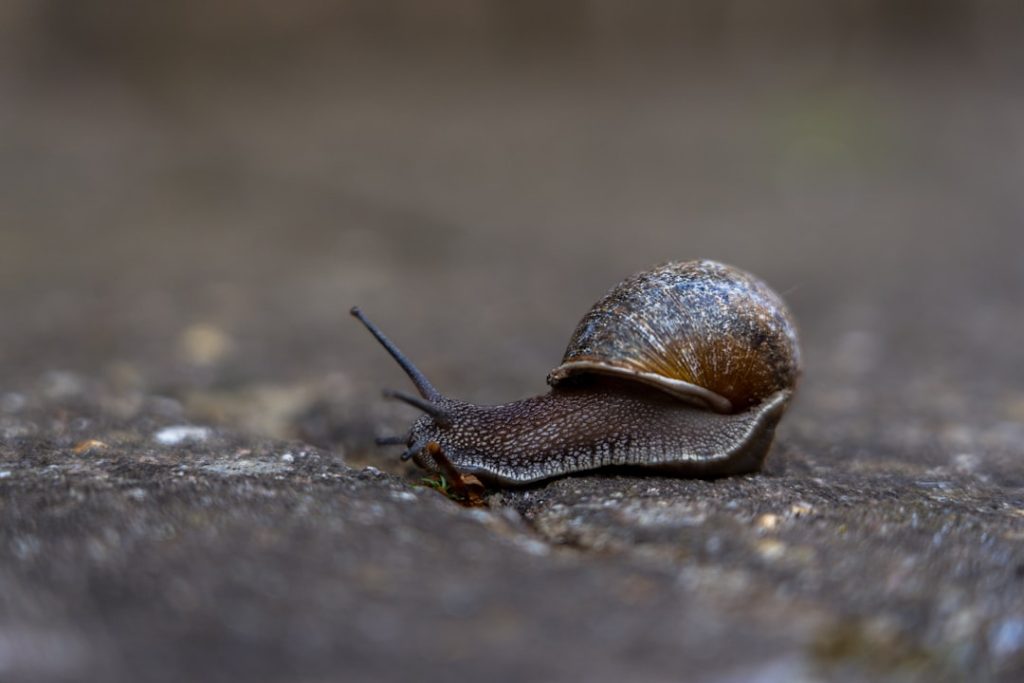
{"points": [[88, 446], [170, 436], [532, 546], [287, 457], [801, 509], [767, 522], [136, 493], [771, 550]]}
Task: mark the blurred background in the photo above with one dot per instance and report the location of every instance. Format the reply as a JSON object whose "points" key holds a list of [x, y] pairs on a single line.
{"points": [[193, 194]]}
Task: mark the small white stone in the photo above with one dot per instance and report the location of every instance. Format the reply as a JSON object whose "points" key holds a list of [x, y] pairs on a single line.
{"points": [[767, 522], [771, 549], [136, 493], [170, 436], [533, 546], [287, 457], [4, 474]]}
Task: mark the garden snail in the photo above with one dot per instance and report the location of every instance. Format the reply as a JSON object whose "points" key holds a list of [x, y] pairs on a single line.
{"points": [[684, 369]]}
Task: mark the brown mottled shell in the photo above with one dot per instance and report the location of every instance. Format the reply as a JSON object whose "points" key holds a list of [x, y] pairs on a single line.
{"points": [[701, 330]]}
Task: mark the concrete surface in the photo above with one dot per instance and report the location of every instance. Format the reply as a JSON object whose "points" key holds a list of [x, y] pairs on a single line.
{"points": [[188, 484]]}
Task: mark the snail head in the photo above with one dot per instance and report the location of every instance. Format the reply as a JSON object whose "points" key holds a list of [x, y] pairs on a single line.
{"points": [[431, 401]]}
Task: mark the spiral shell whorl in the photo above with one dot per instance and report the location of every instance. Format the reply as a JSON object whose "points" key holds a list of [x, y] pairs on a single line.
{"points": [[690, 328]]}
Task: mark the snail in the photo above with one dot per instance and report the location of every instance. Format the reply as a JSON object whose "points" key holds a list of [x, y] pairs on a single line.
{"points": [[685, 369]]}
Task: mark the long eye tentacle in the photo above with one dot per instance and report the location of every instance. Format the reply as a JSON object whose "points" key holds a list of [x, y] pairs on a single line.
{"points": [[423, 385]]}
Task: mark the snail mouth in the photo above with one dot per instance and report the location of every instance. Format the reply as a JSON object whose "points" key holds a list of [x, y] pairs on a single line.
{"points": [[686, 391]]}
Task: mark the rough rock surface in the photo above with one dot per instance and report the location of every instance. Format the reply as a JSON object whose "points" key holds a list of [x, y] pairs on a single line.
{"points": [[188, 486]]}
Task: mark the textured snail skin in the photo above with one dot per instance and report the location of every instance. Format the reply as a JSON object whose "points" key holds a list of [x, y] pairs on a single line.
{"points": [[601, 423]]}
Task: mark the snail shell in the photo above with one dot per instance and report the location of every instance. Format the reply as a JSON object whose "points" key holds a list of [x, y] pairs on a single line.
{"points": [[708, 333]]}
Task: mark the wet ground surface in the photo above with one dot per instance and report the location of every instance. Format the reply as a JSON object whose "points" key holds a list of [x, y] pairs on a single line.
{"points": [[189, 486]]}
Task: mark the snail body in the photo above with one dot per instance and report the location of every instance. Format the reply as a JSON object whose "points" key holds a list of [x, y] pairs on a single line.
{"points": [[685, 369]]}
